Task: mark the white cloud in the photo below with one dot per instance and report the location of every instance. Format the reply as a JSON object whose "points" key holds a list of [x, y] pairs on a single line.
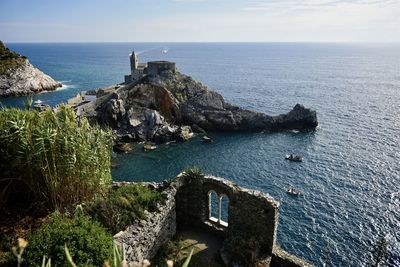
{"points": [[328, 20], [312, 4]]}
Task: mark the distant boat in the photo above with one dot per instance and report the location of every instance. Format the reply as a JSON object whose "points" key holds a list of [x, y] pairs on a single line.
{"points": [[207, 140], [293, 191], [292, 157], [37, 102], [165, 51]]}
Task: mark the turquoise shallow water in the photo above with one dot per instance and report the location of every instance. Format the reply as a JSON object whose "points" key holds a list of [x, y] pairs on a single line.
{"points": [[351, 173]]}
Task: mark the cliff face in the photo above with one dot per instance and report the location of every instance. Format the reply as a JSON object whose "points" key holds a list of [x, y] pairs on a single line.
{"points": [[18, 77], [168, 105]]}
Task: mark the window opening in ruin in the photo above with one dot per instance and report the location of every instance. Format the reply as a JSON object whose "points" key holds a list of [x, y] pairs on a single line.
{"points": [[218, 208], [224, 205], [213, 202]]}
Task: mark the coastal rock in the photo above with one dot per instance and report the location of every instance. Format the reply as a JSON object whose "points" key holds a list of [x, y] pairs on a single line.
{"points": [[26, 80], [167, 106], [18, 77], [123, 147], [184, 133]]}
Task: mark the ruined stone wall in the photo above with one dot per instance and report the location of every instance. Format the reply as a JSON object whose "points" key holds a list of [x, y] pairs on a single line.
{"points": [[281, 258], [137, 74], [189, 200], [156, 67], [128, 79], [143, 238], [252, 215]]}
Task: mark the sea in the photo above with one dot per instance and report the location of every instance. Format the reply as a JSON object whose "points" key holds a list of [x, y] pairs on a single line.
{"points": [[350, 175]]}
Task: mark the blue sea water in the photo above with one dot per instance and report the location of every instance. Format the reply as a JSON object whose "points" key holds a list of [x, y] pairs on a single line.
{"points": [[350, 176]]}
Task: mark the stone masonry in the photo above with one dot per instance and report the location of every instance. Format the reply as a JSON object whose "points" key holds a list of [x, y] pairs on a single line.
{"points": [[252, 215], [143, 238]]}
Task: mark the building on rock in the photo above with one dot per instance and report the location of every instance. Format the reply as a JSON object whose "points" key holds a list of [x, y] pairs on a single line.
{"points": [[139, 70]]}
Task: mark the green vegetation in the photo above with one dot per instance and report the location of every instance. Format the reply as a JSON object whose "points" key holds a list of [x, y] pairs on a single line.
{"points": [[51, 158], [193, 172], [123, 206], [88, 242], [9, 60], [118, 258]]}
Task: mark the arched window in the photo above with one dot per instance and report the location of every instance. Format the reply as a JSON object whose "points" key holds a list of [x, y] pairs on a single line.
{"points": [[213, 206], [218, 208], [224, 206]]}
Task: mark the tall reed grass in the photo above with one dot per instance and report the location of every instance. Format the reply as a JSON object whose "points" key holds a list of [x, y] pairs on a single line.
{"points": [[56, 158]]}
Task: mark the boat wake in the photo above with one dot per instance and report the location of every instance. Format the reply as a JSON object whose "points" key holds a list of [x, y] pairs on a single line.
{"points": [[65, 85]]}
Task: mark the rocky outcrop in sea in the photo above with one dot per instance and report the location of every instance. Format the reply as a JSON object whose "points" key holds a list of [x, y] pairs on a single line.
{"points": [[169, 105], [18, 77]]}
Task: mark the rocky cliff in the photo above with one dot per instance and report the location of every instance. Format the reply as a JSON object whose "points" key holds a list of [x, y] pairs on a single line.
{"points": [[169, 105], [18, 77]]}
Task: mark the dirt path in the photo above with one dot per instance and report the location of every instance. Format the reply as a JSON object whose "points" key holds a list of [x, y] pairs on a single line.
{"points": [[206, 248]]}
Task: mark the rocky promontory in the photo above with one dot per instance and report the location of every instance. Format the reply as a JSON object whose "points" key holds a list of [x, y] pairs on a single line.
{"points": [[19, 77], [164, 104]]}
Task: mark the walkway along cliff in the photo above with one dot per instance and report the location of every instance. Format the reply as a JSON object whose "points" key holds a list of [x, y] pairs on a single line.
{"points": [[158, 103], [248, 228]]}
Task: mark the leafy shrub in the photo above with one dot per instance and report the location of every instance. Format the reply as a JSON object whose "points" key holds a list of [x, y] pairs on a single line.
{"points": [[193, 172], [7, 259], [58, 160], [123, 206], [8, 59], [88, 242]]}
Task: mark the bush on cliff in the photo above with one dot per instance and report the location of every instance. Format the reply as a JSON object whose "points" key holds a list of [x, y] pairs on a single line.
{"points": [[193, 172], [51, 158], [123, 206], [88, 242], [8, 59]]}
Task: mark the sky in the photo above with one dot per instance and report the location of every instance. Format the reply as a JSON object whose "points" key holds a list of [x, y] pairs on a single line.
{"points": [[200, 20]]}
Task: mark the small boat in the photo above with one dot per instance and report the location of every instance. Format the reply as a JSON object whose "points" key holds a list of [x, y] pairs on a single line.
{"points": [[207, 140], [292, 157], [39, 106], [293, 191]]}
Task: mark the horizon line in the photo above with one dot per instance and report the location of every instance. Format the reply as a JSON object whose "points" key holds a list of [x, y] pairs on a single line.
{"points": [[199, 42]]}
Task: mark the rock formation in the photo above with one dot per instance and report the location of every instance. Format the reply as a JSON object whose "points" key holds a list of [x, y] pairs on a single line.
{"points": [[168, 105], [18, 77]]}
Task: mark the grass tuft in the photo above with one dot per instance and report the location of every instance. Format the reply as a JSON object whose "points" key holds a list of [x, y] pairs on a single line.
{"points": [[123, 206], [52, 158]]}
